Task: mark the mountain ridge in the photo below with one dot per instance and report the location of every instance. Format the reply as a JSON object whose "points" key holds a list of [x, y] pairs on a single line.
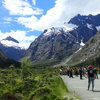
{"points": [[58, 44], [9, 38]]}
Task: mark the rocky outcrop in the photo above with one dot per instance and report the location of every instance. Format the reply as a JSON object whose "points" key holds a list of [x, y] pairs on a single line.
{"points": [[89, 51]]}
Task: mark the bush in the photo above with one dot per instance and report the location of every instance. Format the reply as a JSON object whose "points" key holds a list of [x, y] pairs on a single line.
{"points": [[43, 93]]}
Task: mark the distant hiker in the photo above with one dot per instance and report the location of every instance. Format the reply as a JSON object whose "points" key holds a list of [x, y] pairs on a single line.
{"points": [[65, 71], [70, 72], [99, 70], [76, 71], [96, 73], [60, 71], [84, 71], [91, 76], [81, 72]]}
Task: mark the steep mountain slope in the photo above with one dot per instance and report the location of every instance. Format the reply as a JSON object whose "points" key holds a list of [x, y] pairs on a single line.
{"points": [[10, 47], [6, 62], [59, 43], [52, 44], [2, 55], [89, 51], [88, 26]]}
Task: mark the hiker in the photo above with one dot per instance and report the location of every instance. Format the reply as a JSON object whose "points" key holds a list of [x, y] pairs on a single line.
{"points": [[99, 70], [91, 76], [65, 71], [76, 71], [80, 72], [70, 72], [84, 71], [60, 71], [96, 73]]}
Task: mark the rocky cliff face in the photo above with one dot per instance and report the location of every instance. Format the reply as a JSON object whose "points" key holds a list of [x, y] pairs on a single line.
{"points": [[58, 43], [88, 26], [89, 51], [52, 44]]}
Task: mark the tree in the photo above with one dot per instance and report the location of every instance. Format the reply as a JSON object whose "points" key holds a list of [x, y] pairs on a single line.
{"points": [[25, 65]]}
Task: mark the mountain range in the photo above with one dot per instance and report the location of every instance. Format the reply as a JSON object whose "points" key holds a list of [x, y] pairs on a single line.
{"points": [[75, 41], [59, 43]]}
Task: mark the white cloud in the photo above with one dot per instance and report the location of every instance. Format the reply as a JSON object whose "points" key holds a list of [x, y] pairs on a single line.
{"points": [[19, 7], [54, 17], [60, 13], [24, 41], [8, 19], [27, 20], [34, 2]]}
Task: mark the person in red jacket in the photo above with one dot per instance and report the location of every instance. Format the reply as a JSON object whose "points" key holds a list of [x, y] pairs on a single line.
{"points": [[91, 76], [70, 72]]}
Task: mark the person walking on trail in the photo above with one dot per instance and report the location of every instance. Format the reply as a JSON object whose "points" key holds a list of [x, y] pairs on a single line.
{"points": [[96, 73], [99, 70], [76, 71], [84, 72], [80, 72], [91, 76], [70, 72]]}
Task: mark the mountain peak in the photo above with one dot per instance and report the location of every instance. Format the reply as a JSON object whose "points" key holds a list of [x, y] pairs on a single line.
{"points": [[11, 42], [9, 38]]}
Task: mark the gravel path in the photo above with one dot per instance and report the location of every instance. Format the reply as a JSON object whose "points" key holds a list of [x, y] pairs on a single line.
{"points": [[80, 87]]}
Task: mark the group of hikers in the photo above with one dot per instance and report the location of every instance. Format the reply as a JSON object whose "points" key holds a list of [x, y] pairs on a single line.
{"points": [[87, 72]]}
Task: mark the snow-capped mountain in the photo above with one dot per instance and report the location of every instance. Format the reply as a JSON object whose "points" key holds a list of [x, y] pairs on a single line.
{"points": [[9, 38], [11, 48], [65, 27], [11, 42], [61, 42]]}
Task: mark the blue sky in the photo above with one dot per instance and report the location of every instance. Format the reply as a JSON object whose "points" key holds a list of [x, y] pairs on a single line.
{"points": [[25, 20]]}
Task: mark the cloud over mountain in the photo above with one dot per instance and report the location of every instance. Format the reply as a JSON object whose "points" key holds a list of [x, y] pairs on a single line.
{"points": [[62, 11], [28, 15]]}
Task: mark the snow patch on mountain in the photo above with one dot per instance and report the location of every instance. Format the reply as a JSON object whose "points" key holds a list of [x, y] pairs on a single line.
{"points": [[81, 45], [57, 30], [90, 26], [52, 31], [98, 28], [69, 27]]}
